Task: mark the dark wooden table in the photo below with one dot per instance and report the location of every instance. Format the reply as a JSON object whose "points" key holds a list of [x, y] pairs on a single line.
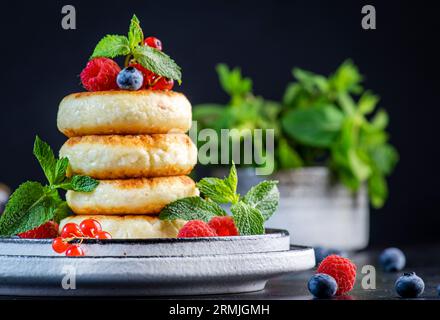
{"points": [[424, 260]]}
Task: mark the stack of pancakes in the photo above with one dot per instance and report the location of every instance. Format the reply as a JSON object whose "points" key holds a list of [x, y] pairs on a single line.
{"points": [[134, 143]]}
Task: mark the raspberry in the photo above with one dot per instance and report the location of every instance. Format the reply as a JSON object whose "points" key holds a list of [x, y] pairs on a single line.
{"points": [[196, 228], [100, 75], [342, 270], [223, 226], [47, 230]]}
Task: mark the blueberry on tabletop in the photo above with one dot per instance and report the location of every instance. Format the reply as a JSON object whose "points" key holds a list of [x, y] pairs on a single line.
{"points": [[392, 260], [5, 192], [321, 253], [322, 285], [409, 285], [130, 78]]}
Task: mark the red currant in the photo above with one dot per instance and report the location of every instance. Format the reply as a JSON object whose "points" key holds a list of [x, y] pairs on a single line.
{"points": [[59, 245], [71, 230], [163, 84], [90, 227], [153, 42], [103, 235], [74, 251], [151, 79]]}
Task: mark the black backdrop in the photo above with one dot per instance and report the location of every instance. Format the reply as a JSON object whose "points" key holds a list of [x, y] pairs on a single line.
{"points": [[41, 63]]}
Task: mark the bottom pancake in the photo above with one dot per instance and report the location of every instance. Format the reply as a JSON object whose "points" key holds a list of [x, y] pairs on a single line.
{"points": [[132, 226], [132, 196]]}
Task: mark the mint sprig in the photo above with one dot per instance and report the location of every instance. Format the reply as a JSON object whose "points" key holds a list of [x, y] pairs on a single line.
{"points": [[32, 204], [249, 213], [131, 46], [184, 209], [220, 190]]}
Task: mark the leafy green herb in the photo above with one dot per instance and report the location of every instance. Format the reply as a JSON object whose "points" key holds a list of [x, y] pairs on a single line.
{"points": [[157, 62], [135, 34], [79, 184], [192, 208], [248, 220], [131, 46], [264, 197], [249, 213], [320, 120], [317, 127], [111, 46], [46, 158], [220, 190], [33, 204]]}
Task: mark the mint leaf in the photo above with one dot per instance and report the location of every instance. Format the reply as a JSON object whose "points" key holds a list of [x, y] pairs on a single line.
{"points": [[380, 120], [80, 184], [157, 62], [60, 170], [385, 158], [191, 208], [287, 156], [367, 103], [83, 183], [316, 126], [62, 211], [29, 206], [111, 46], [232, 82], [232, 180], [248, 220], [46, 158], [220, 190], [135, 34], [377, 189], [264, 197]]}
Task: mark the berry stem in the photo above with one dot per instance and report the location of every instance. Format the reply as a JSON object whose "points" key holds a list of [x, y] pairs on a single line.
{"points": [[127, 60]]}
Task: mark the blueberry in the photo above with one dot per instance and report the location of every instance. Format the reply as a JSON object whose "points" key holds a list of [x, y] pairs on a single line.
{"points": [[322, 285], [4, 196], [321, 253], [409, 285], [438, 290], [392, 260], [130, 78]]}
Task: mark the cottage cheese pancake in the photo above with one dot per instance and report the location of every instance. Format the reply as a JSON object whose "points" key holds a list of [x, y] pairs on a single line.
{"points": [[132, 226], [124, 112], [119, 157], [132, 196]]}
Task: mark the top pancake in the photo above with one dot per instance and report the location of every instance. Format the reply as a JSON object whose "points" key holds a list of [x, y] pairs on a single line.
{"points": [[124, 112]]}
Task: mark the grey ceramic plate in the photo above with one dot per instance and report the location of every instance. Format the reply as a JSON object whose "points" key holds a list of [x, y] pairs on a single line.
{"points": [[194, 271], [273, 240]]}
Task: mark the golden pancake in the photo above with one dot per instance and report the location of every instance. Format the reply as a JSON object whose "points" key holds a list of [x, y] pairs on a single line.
{"points": [[131, 196], [132, 226], [120, 157], [124, 112]]}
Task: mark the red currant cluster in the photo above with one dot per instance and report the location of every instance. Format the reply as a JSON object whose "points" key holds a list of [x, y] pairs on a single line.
{"points": [[88, 229]]}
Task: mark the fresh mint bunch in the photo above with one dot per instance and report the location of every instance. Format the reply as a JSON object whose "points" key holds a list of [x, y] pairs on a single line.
{"points": [[132, 47], [33, 204], [321, 120], [249, 213], [334, 116]]}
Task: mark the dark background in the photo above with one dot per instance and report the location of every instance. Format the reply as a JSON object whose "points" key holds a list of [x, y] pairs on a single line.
{"points": [[41, 63]]}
